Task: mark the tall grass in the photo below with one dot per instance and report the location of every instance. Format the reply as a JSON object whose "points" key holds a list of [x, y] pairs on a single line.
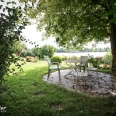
{"points": [[28, 95]]}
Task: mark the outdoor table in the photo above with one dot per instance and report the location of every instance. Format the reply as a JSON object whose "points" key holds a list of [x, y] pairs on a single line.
{"points": [[72, 64]]}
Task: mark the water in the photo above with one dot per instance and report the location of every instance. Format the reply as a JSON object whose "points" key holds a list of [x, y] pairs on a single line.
{"points": [[78, 54]]}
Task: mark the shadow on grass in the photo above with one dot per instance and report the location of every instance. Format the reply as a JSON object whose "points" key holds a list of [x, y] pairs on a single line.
{"points": [[29, 95]]}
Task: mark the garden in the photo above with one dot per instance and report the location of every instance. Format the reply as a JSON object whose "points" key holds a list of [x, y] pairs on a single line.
{"points": [[27, 94], [23, 91]]}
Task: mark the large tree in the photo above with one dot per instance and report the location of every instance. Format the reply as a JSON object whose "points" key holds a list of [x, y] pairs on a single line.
{"points": [[76, 22]]}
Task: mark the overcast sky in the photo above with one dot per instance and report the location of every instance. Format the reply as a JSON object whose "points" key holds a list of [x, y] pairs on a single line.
{"points": [[35, 36]]}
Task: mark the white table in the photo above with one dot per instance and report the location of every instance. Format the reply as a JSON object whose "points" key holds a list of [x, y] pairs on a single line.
{"points": [[72, 64]]}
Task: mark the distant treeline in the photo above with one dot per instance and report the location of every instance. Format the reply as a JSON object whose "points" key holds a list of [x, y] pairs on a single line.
{"points": [[106, 49]]}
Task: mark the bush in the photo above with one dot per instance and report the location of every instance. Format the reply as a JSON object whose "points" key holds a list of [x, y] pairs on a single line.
{"points": [[36, 58], [36, 51], [12, 23], [47, 50], [30, 59], [56, 59], [29, 53], [95, 61], [64, 58], [107, 59], [23, 54]]}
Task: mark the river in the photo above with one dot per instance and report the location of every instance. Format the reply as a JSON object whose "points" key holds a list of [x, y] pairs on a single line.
{"points": [[78, 54]]}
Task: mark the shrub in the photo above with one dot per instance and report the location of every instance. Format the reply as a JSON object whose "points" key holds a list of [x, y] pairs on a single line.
{"points": [[30, 59], [107, 59], [36, 58], [47, 50], [36, 51], [64, 58], [29, 53], [56, 59], [23, 54], [94, 61], [12, 22]]}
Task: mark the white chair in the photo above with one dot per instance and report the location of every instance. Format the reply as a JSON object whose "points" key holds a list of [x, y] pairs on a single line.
{"points": [[52, 66], [82, 63]]}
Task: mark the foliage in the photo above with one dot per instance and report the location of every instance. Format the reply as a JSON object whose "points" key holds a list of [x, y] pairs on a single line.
{"points": [[95, 61], [18, 46], [64, 58], [27, 53], [85, 49], [60, 50], [59, 19], [105, 49], [29, 59], [47, 50], [23, 54], [112, 11], [74, 23], [56, 59], [36, 51], [32, 59], [107, 59], [36, 58], [12, 22]]}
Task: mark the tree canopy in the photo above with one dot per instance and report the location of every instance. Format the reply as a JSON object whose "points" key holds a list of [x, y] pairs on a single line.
{"points": [[73, 21], [76, 22], [47, 50]]}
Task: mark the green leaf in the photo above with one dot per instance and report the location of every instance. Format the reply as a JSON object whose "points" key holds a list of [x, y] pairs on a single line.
{"points": [[112, 12], [113, 20]]}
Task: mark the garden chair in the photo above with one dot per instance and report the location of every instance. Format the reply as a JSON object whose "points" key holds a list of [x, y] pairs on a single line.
{"points": [[83, 63], [52, 66]]}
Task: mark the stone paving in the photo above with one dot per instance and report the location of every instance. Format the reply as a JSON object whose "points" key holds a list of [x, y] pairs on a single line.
{"points": [[95, 84]]}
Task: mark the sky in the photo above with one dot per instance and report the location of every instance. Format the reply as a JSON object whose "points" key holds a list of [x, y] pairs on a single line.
{"points": [[35, 36], [31, 33]]}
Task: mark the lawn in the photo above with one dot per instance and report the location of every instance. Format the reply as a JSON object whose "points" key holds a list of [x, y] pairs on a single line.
{"points": [[28, 95]]}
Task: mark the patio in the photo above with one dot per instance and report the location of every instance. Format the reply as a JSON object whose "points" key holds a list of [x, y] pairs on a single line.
{"points": [[91, 85]]}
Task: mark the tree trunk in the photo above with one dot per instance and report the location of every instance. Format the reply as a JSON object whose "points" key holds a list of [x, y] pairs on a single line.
{"points": [[113, 45]]}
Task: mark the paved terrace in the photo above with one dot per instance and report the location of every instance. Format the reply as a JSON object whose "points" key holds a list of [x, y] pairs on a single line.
{"points": [[103, 85]]}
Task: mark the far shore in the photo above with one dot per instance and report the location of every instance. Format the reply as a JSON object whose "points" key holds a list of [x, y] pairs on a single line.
{"points": [[78, 54]]}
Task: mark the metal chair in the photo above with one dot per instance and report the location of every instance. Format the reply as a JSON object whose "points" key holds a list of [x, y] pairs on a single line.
{"points": [[83, 63], [52, 66]]}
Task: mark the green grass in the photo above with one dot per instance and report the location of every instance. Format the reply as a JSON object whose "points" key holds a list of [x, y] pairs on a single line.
{"points": [[29, 95]]}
